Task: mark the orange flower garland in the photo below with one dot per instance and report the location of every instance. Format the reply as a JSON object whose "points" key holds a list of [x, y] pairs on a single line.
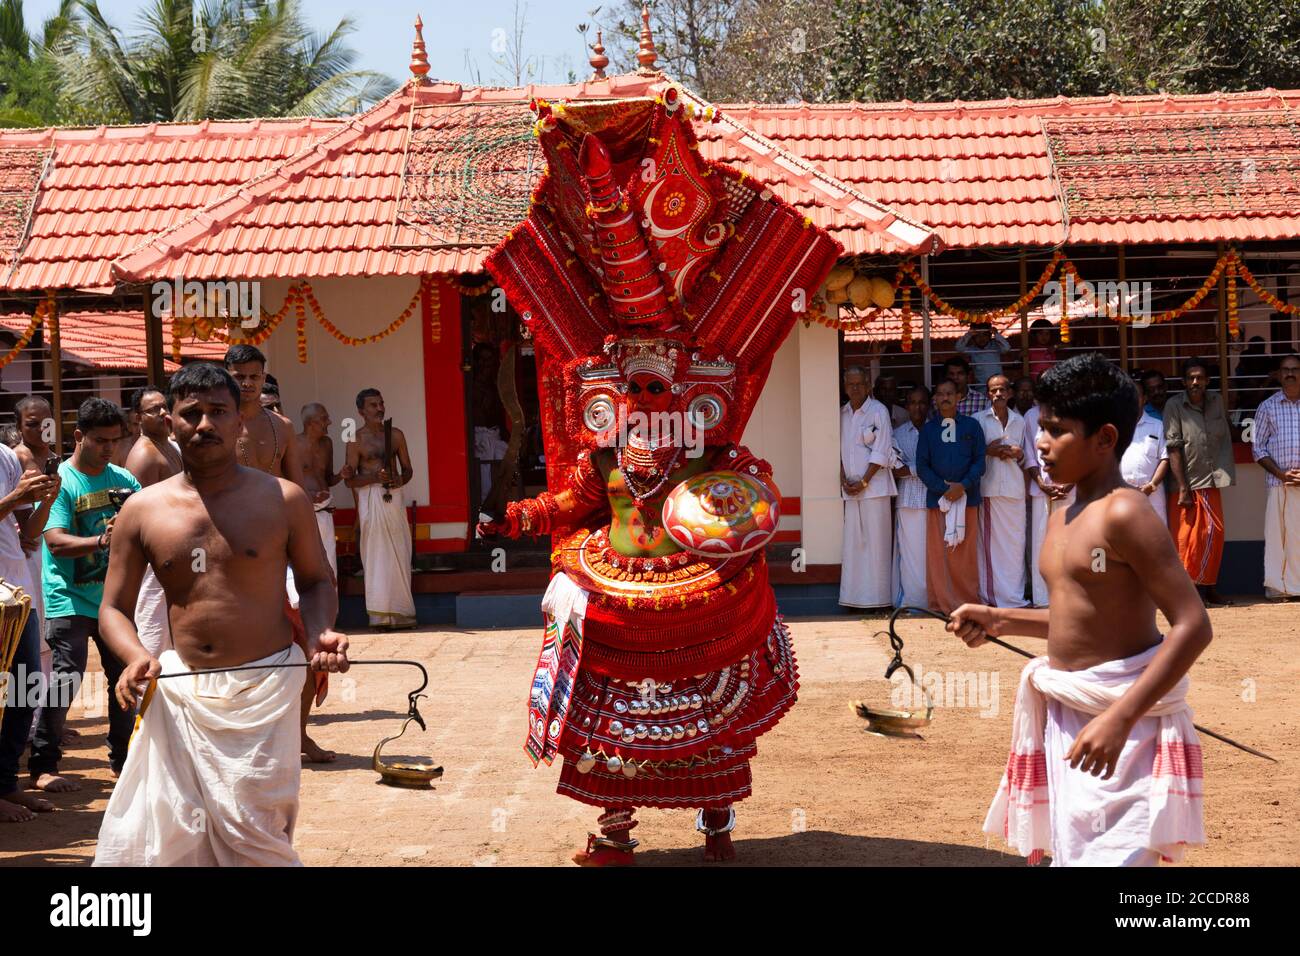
{"points": [[1234, 316], [907, 319], [1268, 298], [339, 335], [961, 315], [45, 310]]}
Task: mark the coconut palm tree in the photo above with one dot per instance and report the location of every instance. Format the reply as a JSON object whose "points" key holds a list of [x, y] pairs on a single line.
{"points": [[28, 78], [217, 59]]}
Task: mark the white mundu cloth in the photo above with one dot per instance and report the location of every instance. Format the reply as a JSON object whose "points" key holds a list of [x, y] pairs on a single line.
{"points": [[866, 565], [1149, 809], [212, 775], [386, 557], [151, 621], [1042, 506], [909, 525], [1282, 540], [325, 525], [1002, 514], [1143, 456]]}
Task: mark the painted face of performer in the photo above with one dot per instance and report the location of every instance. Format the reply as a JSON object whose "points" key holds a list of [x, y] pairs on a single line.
{"points": [[648, 393]]}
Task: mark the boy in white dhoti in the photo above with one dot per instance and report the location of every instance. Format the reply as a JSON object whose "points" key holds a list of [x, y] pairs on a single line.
{"points": [[381, 513], [1105, 765], [1146, 460], [910, 518], [1277, 450], [211, 777], [1046, 497], [866, 485], [1002, 505]]}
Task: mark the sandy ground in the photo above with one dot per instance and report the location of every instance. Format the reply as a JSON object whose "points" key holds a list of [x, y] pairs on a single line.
{"points": [[825, 792]]}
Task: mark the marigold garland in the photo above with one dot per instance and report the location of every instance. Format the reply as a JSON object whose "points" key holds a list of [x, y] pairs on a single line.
{"points": [[45, 310], [1228, 267]]}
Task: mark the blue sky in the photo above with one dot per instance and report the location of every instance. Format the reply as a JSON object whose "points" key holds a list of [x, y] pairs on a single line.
{"points": [[459, 34]]}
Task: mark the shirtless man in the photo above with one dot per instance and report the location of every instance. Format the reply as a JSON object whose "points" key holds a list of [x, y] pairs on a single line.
{"points": [[132, 436], [267, 444], [385, 533], [1109, 564], [154, 458], [35, 422], [227, 609], [316, 450]]}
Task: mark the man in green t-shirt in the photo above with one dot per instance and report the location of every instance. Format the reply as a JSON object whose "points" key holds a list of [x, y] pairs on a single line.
{"points": [[73, 567]]}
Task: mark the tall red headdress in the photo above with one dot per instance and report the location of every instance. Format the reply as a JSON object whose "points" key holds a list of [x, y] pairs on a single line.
{"points": [[634, 242]]}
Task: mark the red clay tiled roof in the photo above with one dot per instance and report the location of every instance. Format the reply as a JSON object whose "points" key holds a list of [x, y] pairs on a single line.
{"points": [[341, 207], [981, 174], [888, 325], [112, 187], [112, 340], [324, 197], [20, 174]]}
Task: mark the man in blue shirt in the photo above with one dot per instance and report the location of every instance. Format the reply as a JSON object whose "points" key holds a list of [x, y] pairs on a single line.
{"points": [[950, 461], [75, 561]]}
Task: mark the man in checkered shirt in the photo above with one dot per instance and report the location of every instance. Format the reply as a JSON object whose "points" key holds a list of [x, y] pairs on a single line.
{"points": [[1277, 449], [970, 401]]}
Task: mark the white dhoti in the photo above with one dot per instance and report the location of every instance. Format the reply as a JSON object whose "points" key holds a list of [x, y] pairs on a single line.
{"points": [[1002, 551], [211, 778], [1282, 540], [151, 615], [866, 565], [325, 523], [1151, 807], [1160, 501], [1043, 508], [386, 557], [909, 558]]}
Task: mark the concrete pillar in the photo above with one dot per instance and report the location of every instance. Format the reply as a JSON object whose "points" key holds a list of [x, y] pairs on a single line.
{"points": [[819, 418]]}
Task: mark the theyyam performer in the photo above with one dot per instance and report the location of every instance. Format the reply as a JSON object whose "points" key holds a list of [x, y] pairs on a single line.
{"points": [[657, 286], [212, 773]]}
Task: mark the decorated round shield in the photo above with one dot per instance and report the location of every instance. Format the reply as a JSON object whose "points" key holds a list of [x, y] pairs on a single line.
{"points": [[721, 514]]}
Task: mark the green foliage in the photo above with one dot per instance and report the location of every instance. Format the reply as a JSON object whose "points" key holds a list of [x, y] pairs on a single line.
{"points": [[873, 50], [987, 49], [201, 59], [28, 91], [966, 49]]}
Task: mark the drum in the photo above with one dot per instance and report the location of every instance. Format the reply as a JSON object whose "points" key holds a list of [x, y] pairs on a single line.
{"points": [[721, 514], [15, 605]]}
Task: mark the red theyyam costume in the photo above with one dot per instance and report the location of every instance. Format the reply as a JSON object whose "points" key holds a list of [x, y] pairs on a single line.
{"points": [[657, 287]]}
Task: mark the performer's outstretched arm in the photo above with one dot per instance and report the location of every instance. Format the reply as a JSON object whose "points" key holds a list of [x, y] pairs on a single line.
{"points": [[540, 515]]}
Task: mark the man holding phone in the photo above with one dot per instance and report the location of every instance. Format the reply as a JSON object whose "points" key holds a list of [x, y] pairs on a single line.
{"points": [[78, 534]]}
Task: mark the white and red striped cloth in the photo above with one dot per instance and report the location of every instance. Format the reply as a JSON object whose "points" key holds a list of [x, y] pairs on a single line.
{"points": [[1151, 807]]}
